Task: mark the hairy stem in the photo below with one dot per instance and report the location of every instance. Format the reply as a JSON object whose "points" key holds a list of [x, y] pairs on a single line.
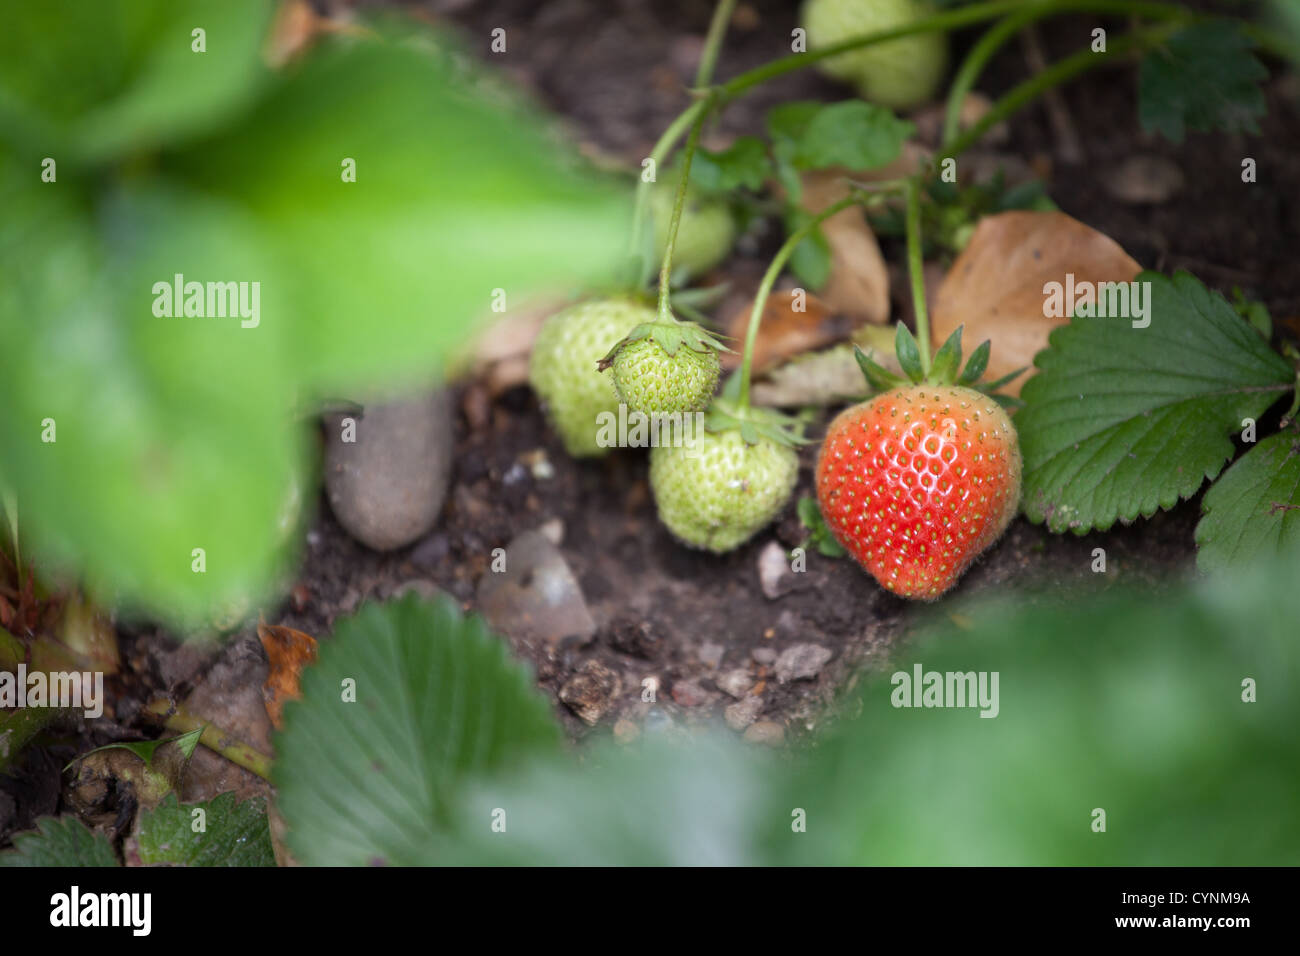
{"points": [[916, 270], [666, 270]]}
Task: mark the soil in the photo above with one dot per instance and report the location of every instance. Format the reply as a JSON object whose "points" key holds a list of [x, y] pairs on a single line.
{"points": [[616, 73]]}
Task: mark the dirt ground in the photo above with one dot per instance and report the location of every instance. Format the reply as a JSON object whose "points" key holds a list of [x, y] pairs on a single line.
{"points": [[615, 72]]}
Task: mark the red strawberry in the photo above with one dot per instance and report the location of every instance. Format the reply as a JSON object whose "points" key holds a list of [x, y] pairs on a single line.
{"points": [[918, 481]]}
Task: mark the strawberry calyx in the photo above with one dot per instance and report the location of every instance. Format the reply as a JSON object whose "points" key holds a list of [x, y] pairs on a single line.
{"points": [[946, 368], [669, 336], [727, 413]]}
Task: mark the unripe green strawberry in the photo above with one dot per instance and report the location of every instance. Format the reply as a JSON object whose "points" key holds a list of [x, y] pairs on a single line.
{"points": [[563, 367], [721, 492], [899, 74], [918, 482], [652, 381], [704, 236]]}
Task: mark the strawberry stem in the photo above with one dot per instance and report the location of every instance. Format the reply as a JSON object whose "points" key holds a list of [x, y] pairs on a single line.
{"points": [[916, 269], [713, 42], [666, 270]]}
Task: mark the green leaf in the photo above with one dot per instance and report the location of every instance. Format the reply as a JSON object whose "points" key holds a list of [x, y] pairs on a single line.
{"points": [[907, 352], [1120, 421], [1203, 78], [147, 750], [819, 536], [127, 77], [743, 163], [660, 803], [182, 433], [1134, 707], [233, 834], [18, 727], [811, 259], [436, 698], [60, 841], [854, 134], [1256, 313], [1253, 511]]}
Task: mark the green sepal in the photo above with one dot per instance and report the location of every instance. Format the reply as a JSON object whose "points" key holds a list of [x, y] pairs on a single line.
{"points": [[997, 383], [879, 379], [908, 353], [947, 361], [670, 336], [819, 535], [754, 423], [979, 361]]}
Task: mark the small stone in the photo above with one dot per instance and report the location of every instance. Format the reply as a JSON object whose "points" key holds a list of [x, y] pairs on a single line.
{"points": [[430, 552], [801, 662], [418, 586], [387, 487], [634, 637], [537, 463], [588, 692], [536, 596], [688, 693], [774, 573], [626, 731], [763, 655], [735, 683], [767, 732], [1145, 180], [553, 531], [743, 712], [710, 654]]}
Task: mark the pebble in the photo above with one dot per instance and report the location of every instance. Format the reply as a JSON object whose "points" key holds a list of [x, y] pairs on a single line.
{"points": [[658, 722], [743, 712], [626, 731], [536, 596], [589, 691], [801, 662], [767, 732], [637, 638], [1145, 180], [763, 655], [774, 573], [689, 693], [710, 654], [387, 487], [735, 683]]}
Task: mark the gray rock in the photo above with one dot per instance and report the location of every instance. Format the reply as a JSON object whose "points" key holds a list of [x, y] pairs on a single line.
{"points": [[743, 712], [801, 662], [536, 597], [763, 655], [387, 487], [735, 683], [710, 654]]}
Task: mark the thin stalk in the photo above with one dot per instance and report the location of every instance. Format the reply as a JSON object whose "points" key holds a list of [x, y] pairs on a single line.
{"points": [[916, 270], [713, 42], [665, 270], [774, 270], [177, 718], [1054, 75], [978, 57]]}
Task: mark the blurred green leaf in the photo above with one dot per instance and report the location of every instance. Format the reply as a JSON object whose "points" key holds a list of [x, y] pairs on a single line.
{"points": [[84, 82], [60, 841], [1203, 78], [1253, 510], [811, 258], [1129, 704], [176, 434], [854, 134], [233, 834], [1122, 420], [436, 698], [743, 163]]}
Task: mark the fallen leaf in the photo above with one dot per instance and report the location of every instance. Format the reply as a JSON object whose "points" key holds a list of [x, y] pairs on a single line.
{"points": [[831, 377], [794, 321], [995, 288], [288, 652], [858, 286]]}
